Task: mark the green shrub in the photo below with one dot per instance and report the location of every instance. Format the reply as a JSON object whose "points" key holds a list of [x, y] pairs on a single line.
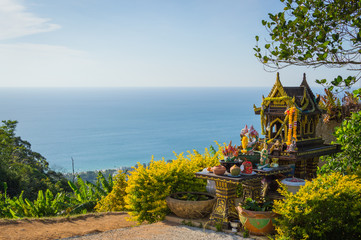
{"points": [[86, 194], [45, 205], [114, 201], [349, 136], [329, 208], [5, 203], [149, 186]]}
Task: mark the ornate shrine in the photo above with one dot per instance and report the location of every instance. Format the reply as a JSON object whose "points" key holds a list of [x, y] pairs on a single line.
{"points": [[289, 116]]}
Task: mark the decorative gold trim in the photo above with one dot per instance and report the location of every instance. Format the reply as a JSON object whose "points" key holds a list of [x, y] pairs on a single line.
{"points": [[304, 99], [277, 87]]}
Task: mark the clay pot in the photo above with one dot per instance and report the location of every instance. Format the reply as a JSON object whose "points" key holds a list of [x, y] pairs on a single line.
{"points": [[257, 222], [191, 209], [219, 170]]}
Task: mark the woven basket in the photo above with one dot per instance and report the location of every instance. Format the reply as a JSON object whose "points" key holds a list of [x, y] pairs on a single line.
{"points": [[191, 209]]}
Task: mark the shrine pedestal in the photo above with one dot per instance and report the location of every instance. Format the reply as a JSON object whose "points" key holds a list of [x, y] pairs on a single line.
{"points": [[300, 170], [225, 209], [252, 189], [311, 167]]}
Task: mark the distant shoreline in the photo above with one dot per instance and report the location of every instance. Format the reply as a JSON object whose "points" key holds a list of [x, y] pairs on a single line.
{"points": [[92, 175]]}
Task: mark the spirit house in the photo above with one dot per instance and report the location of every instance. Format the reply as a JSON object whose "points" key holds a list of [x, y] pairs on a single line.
{"points": [[289, 116]]}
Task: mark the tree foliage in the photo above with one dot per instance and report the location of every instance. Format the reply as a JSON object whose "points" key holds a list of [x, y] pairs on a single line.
{"points": [[348, 135], [315, 33], [23, 169]]}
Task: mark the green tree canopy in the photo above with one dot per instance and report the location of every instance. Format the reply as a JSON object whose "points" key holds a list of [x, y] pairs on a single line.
{"points": [[23, 169], [315, 33]]}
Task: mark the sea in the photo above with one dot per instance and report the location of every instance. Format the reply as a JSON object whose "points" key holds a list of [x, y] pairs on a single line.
{"points": [[110, 128]]}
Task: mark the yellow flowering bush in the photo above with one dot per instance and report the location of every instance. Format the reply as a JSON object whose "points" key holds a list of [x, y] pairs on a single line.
{"points": [[148, 187], [114, 201], [329, 207]]}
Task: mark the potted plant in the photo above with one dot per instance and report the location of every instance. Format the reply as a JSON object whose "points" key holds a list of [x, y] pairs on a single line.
{"points": [[191, 205], [257, 217]]}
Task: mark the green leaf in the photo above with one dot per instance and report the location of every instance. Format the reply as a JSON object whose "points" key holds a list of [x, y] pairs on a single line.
{"points": [[324, 45], [265, 59], [335, 37]]}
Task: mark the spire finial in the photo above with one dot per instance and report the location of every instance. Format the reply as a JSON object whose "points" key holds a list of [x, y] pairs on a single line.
{"points": [[278, 82], [304, 81]]}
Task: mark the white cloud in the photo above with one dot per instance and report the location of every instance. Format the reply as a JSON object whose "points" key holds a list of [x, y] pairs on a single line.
{"points": [[36, 65], [15, 21]]}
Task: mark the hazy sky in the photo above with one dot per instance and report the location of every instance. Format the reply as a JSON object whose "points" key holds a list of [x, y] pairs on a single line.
{"points": [[111, 43]]}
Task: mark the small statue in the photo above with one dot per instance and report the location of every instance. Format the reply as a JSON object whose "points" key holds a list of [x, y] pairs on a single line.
{"points": [[264, 155], [249, 138], [292, 146], [276, 146], [244, 144], [274, 163]]}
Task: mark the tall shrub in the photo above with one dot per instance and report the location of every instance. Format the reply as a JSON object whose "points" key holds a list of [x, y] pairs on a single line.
{"points": [[329, 208], [149, 186], [114, 201]]}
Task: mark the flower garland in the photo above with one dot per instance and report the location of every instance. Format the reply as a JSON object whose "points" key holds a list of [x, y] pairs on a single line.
{"points": [[295, 125], [290, 113]]}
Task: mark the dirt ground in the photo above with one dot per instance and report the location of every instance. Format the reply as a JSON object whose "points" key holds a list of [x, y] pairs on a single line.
{"points": [[57, 228]]}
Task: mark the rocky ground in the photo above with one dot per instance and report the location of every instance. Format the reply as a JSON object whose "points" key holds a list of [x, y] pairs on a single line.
{"points": [[104, 226]]}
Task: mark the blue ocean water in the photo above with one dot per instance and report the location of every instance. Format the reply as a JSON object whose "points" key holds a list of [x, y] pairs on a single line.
{"points": [[105, 128]]}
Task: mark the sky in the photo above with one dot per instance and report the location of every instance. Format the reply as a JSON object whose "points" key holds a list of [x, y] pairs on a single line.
{"points": [[138, 43]]}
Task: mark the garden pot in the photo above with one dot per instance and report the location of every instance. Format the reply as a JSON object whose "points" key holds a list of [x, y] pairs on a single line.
{"points": [[191, 209], [257, 222], [293, 186]]}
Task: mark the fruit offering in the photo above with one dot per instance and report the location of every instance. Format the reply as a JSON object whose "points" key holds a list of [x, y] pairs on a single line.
{"points": [[235, 170]]}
